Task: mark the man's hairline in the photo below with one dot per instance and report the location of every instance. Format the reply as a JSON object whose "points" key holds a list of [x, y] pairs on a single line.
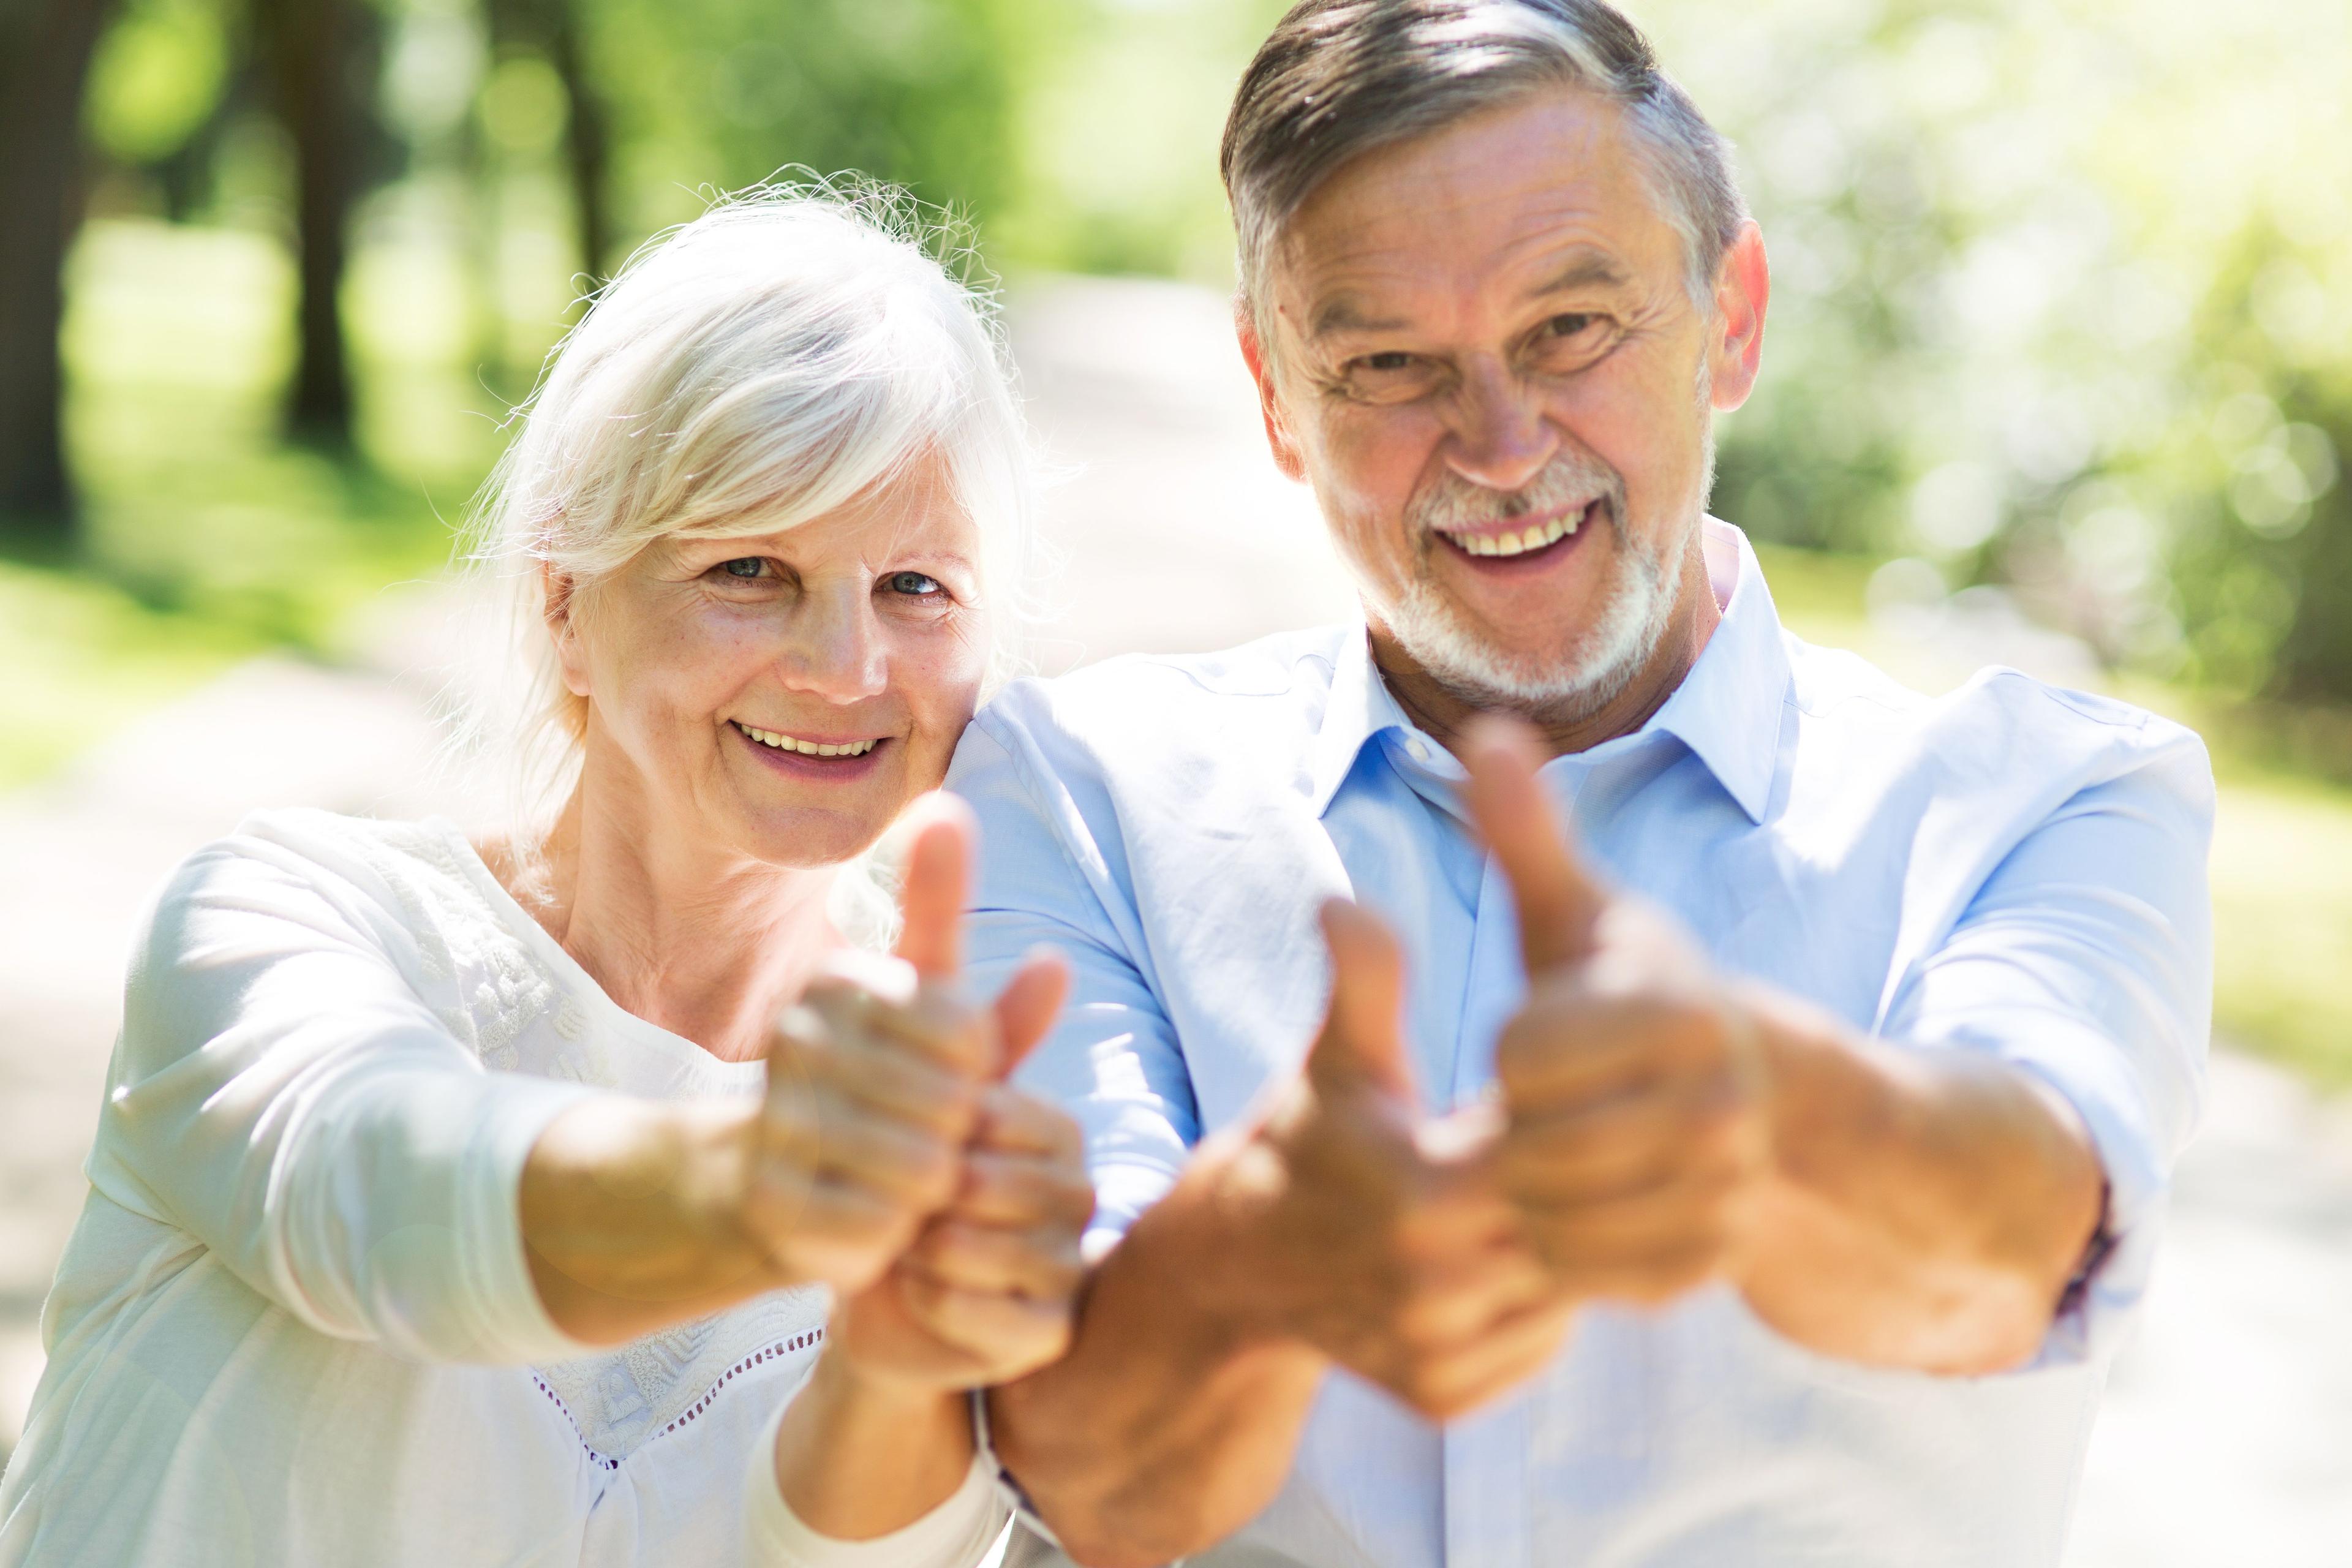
{"points": [[1256, 311]]}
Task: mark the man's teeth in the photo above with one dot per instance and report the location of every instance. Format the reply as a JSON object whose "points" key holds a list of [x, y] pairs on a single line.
{"points": [[1519, 543], [808, 748]]}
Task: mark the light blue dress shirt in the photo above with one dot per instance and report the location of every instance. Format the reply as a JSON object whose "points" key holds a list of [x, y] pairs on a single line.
{"points": [[2013, 869]]}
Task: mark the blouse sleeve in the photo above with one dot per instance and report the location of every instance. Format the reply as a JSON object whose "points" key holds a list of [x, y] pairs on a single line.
{"points": [[956, 1534], [282, 1093]]}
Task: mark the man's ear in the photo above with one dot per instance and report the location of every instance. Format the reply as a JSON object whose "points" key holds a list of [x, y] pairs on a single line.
{"points": [[1743, 287], [1277, 433], [558, 589]]}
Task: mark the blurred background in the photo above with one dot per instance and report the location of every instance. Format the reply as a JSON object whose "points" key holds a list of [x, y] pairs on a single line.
{"points": [[2059, 375]]}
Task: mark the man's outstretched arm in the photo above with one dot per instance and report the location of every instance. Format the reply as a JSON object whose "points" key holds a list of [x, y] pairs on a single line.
{"points": [[1907, 1206]]}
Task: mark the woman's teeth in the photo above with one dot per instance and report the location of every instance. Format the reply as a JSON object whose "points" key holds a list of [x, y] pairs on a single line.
{"points": [[1519, 543], [808, 748]]}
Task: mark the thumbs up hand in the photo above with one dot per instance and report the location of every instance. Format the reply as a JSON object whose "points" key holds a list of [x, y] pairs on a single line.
{"points": [[1379, 1238], [986, 1291], [1637, 1140], [899, 1166]]}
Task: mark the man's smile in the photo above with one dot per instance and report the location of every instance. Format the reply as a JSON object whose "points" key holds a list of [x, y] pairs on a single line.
{"points": [[1520, 535]]}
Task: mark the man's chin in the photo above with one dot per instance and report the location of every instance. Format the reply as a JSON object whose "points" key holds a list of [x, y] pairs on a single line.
{"points": [[1543, 681]]}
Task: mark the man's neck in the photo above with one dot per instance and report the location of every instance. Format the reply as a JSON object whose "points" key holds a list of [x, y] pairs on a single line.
{"points": [[1446, 713], [707, 944]]}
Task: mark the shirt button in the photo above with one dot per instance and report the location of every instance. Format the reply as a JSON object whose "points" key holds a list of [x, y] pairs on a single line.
{"points": [[1419, 748]]}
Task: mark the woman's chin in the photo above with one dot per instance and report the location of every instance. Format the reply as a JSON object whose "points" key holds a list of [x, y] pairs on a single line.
{"points": [[811, 837]]}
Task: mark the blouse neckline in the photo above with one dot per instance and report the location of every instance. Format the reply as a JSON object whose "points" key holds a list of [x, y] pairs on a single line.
{"points": [[577, 981]]}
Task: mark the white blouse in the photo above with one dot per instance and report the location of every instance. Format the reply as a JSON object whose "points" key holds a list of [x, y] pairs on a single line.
{"points": [[295, 1323]]}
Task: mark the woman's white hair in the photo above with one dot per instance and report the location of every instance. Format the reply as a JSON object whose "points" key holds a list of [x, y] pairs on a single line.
{"points": [[794, 347]]}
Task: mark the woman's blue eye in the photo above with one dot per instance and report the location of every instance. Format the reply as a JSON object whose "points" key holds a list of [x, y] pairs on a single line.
{"points": [[913, 583], [742, 566]]}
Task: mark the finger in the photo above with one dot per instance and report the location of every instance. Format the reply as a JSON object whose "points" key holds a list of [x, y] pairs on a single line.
{"points": [[1012, 1122], [1686, 1209], [1558, 902], [933, 1020], [1042, 1264], [1011, 1334], [1496, 1361], [939, 876], [1021, 1190], [1649, 1278], [1614, 1145], [1027, 1007], [899, 1163], [1460, 1298], [1566, 1047], [905, 1087], [1363, 1033], [820, 1233]]}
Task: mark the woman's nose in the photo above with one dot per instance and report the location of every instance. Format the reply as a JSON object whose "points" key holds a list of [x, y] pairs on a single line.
{"points": [[834, 650], [1501, 438]]}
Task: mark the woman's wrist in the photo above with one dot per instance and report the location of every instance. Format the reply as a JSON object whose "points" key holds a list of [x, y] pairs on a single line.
{"points": [[627, 1212], [862, 1454]]}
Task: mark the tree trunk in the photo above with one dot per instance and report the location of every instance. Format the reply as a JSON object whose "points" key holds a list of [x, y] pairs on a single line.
{"points": [[311, 46], [552, 28], [588, 138], [45, 52]]}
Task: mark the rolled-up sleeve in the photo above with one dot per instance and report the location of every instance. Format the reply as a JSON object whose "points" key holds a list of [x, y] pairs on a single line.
{"points": [[1114, 1062], [2086, 958], [281, 1092]]}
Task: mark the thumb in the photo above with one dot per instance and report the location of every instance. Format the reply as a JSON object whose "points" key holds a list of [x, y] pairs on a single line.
{"points": [[1558, 902], [938, 875], [1363, 1034], [1027, 1007]]}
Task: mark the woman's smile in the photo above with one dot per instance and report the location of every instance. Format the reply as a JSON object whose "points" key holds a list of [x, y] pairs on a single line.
{"points": [[826, 759]]}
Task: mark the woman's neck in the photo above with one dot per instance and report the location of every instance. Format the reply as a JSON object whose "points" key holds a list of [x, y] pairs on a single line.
{"points": [[706, 943]]}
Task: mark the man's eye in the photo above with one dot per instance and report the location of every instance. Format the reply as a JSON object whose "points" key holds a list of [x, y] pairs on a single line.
{"points": [[1391, 376], [914, 584], [1571, 325], [744, 566]]}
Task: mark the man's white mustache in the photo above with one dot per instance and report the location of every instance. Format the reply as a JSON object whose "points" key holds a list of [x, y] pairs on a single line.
{"points": [[1458, 505]]}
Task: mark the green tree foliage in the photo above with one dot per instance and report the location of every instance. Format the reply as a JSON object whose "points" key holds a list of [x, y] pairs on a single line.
{"points": [[2061, 300], [2063, 288], [716, 94]]}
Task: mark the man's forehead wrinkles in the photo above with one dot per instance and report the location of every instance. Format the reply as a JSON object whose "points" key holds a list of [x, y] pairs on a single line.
{"points": [[1362, 294]]}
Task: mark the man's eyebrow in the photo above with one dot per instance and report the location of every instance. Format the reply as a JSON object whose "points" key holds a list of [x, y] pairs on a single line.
{"points": [[1342, 313], [1585, 269]]}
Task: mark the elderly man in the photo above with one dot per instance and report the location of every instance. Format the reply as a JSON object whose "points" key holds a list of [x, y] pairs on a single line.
{"points": [[1761, 1178]]}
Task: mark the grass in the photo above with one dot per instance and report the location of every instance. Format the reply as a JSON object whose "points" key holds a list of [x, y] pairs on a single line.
{"points": [[205, 539]]}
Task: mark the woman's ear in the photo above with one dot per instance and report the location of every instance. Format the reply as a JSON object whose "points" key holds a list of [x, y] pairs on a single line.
{"points": [[558, 589]]}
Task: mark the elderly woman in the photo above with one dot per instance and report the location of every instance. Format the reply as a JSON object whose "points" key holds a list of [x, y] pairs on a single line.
{"points": [[484, 1203]]}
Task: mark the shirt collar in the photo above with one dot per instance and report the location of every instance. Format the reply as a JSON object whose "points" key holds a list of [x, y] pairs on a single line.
{"points": [[1726, 711]]}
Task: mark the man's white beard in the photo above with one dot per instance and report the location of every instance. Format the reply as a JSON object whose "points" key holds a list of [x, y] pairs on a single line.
{"points": [[1552, 686]]}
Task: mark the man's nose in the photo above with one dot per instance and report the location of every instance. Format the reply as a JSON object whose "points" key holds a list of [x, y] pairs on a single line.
{"points": [[833, 649], [1501, 439]]}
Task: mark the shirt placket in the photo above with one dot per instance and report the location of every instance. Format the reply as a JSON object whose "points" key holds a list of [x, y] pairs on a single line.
{"points": [[1489, 1520]]}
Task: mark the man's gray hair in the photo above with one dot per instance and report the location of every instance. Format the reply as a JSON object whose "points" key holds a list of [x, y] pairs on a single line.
{"points": [[1339, 78]]}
